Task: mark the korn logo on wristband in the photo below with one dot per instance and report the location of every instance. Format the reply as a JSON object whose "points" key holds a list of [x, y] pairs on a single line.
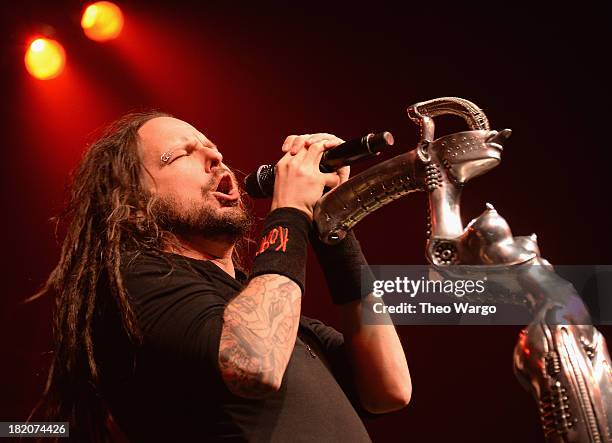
{"points": [[277, 236]]}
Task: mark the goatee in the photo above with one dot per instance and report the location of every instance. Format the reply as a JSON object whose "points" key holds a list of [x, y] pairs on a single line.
{"points": [[203, 220]]}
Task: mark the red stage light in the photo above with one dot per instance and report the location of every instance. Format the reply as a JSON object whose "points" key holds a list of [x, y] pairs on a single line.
{"points": [[45, 58], [102, 21]]}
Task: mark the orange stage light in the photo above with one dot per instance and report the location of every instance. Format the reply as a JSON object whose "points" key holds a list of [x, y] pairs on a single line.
{"points": [[102, 21], [45, 58]]}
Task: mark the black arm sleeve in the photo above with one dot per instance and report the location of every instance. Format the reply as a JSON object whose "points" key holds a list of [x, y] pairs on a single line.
{"points": [[179, 311], [333, 345], [343, 265]]}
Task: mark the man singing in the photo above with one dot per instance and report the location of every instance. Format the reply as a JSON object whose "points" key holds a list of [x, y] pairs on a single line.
{"points": [[159, 331]]}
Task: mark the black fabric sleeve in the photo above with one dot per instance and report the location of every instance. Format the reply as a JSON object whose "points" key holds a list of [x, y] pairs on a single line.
{"points": [[179, 311], [330, 339], [334, 347], [342, 265]]}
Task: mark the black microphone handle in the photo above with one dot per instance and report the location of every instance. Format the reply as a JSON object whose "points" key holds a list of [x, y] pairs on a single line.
{"points": [[260, 183]]}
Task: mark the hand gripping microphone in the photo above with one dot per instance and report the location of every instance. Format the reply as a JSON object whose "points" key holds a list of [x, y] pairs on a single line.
{"points": [[260, 183]]}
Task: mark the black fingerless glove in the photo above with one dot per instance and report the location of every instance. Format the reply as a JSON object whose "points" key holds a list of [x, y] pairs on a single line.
{"points": [[342, 266], [284, 245]]}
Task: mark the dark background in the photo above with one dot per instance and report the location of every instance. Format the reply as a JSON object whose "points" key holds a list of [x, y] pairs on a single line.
{"points": [[248, 74]]}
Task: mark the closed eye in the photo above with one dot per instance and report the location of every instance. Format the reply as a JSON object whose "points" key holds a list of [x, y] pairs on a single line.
{"points": [[179, 156], [187, 150]]}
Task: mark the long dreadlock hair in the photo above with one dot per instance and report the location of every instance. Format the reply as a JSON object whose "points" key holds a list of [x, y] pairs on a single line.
{"points": [[108, 213]]}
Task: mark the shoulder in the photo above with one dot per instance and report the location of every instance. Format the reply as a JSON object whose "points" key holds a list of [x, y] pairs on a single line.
{"points": [[150, 277], [141, 261], [170, 297], [161, 267]]}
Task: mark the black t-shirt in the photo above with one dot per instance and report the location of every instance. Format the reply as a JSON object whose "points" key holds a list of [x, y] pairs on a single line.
{"points": [[170, 387]]}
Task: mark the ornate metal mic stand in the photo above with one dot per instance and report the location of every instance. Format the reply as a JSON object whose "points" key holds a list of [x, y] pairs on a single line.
{"points": [[564, 363]]}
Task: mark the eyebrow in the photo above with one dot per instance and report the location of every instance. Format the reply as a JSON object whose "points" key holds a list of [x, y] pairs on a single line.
{"points": [[166, 156]]}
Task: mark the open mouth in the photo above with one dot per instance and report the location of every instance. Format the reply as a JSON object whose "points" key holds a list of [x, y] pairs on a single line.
{"points": [[225, 189], [498, 139], [225, 185]]}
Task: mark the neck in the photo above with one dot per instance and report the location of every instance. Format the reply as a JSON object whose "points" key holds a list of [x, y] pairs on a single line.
{"points": [[218, 251], [445, 211]]}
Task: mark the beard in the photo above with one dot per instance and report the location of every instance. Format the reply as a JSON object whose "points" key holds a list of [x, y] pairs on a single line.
{"points": [[201, 219]]}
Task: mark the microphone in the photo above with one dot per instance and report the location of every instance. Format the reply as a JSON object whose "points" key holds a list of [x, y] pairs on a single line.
{"points": [[260, 183]]}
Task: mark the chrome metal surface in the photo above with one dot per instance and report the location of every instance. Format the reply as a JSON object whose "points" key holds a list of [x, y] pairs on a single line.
{"points": [[565, 364]]}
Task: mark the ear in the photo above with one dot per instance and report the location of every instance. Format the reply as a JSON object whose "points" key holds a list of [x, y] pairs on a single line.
{"points": [[423, 151]]}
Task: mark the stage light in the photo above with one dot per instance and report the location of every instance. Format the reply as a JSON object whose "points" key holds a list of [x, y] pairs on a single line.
{"points": [[45, 58], [102, 21]]}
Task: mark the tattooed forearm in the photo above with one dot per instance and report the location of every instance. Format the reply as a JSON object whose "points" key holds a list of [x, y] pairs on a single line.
{"points": [[258, 335]]}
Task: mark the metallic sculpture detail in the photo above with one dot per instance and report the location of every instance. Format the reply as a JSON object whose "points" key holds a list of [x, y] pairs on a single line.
{"points": [[560, 357]]}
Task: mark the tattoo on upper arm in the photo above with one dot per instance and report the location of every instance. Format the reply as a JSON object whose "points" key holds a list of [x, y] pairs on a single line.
{"points": [[258, 335]]}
